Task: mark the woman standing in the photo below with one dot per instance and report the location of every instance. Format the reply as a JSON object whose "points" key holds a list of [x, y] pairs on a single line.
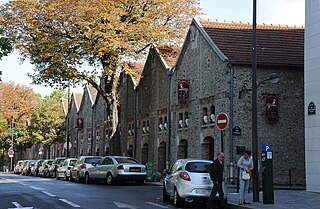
{"points": [[245, 164]]}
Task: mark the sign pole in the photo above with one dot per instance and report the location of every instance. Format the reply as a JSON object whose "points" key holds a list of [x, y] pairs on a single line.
{"points": [[222, 146]]}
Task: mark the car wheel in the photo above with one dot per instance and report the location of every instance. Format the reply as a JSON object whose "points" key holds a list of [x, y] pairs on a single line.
{"points": [[56, 174], [109, 179], [87, 178], [177, 200], [65, 176], [78, 180], [165, 196]]}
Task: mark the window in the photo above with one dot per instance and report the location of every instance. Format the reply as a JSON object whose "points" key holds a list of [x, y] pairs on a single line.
{"points": [[89, 135], [198, 167], [186, 118], [127, 160], [180, 120], [107, 161], [212, 114], [91, 160], [160, 124], [205, 115]]}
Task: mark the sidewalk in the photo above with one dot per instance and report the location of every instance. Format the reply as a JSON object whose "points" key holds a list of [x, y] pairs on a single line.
{"points": [[283, 199]]}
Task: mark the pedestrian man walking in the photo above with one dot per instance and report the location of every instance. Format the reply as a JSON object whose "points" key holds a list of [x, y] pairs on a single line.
{"points": [[216, 175]]}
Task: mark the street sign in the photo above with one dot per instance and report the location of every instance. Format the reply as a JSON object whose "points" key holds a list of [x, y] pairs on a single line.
{"points": [[266, 148], [222, 121], [41, 149], [11, 153]]}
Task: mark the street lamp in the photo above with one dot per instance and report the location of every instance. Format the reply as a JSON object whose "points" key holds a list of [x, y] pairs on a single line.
{"points": [[12, 136], [169, 73]]}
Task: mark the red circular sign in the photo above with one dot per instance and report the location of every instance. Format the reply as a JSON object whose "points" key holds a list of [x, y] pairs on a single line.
{"points": [[41, 149], [222, 121]]}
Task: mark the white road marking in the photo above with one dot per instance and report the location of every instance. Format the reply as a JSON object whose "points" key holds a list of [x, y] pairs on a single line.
{"points": [[19, 206], [36, 188], [122, 205], [49, 194], [24, 184], [70, 203], [155, 204]]}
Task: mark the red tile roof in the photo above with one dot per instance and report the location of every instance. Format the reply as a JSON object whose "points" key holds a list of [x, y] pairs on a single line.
{"points": [[276, 44]]}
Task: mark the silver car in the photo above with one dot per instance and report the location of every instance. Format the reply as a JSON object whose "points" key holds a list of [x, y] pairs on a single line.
{"points": [[83, 163], [44, 168], [64, 171], [18, 167], [188, 180], [117, 168]]}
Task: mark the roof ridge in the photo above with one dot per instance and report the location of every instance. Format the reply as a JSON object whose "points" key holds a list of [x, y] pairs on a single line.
{"points": [[245, 23]]}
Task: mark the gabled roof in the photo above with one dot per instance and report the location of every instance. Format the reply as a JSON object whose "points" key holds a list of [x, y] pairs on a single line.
{"points": [[277, 45], [65, 106], [92, 94], [77, 99]]}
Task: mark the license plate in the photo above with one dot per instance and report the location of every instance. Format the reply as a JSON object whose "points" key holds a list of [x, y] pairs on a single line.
{"points": [[202, 191], [135, 169]]}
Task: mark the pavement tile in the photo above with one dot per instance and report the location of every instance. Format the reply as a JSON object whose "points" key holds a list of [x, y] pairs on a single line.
{"points": [[283, 199]]}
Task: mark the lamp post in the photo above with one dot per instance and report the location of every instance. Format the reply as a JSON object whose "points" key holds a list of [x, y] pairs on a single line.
{"points": [[12, 137], [169, 73]]}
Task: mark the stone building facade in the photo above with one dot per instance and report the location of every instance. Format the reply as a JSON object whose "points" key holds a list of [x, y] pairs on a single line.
{"points": [[210, 74], [214, 56]]}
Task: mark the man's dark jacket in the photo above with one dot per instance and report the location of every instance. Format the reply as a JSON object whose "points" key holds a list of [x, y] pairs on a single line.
{"points": [[216, 171]]}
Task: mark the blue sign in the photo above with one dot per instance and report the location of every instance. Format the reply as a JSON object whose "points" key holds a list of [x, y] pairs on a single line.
{"points": [[266, 148]]}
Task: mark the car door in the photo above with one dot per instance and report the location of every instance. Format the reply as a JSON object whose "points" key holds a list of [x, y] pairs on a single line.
{"points": [[94, 174], [107, 167], [169, 180]]}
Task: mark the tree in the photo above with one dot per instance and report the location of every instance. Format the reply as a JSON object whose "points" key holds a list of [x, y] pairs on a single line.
{"points": [[46, 123], [5, 46], [58, 36], [17, 103]]}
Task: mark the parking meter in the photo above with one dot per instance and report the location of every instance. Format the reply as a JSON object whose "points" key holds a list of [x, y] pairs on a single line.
{"points": [[267, 174]]}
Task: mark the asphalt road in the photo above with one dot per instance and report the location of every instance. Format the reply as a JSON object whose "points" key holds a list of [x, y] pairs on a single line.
{"points": [[28, 192]]}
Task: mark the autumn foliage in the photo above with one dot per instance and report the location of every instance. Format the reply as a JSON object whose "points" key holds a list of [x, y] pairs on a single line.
{"points": [[59, 36]]}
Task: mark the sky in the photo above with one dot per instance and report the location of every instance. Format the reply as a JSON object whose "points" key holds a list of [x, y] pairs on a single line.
{"points": [[285, 12]]}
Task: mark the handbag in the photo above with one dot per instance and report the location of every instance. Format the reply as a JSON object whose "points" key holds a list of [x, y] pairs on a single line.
{"points": [[245, 175]]}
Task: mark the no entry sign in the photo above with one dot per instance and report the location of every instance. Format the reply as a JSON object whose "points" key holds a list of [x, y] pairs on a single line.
{"points": [[222, 121]]}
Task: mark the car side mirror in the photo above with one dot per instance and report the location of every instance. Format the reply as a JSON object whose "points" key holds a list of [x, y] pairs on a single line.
{"points": [[166, 172]]}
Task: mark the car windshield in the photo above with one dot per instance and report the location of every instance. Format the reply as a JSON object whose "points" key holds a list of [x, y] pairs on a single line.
{"points": [[126, 161], [198, 167], [59, 161], [91, 160]]}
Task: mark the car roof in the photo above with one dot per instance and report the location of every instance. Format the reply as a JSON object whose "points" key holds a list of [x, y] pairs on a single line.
{"points": [[187, 160], [90, 157]]}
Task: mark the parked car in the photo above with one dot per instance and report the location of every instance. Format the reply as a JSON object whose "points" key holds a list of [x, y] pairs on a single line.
{"points": [[64, 171], [27, 167], [35, 169], [18, 167], [188, 180], [117, 168], [44, 168], [83, 163], [55, 165]]}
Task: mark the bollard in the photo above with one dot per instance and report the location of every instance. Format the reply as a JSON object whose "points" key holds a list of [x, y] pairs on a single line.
{"points": [[238, 181]]}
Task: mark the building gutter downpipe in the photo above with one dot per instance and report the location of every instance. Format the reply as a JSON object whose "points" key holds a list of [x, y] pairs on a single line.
{"points": [[231, 169]]}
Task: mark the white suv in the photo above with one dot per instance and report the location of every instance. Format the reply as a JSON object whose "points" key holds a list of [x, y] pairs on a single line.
{"points": [[188, 180]]}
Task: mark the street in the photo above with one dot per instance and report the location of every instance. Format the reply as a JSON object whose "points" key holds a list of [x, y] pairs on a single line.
{"points": [[43, 193]]}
